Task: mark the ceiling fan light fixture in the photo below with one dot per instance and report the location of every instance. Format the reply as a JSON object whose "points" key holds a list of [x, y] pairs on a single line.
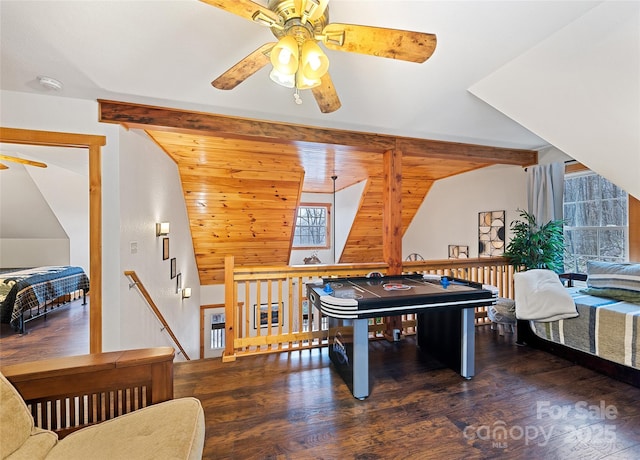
{"points": [[314, 62], [288, 81], [284, 56]]}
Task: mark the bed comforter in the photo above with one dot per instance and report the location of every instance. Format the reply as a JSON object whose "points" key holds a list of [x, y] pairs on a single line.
{"points": [[23, 290]]}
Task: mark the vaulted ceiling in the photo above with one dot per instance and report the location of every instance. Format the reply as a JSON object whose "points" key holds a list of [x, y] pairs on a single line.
{"points": [[242, 179], [166, 53]]}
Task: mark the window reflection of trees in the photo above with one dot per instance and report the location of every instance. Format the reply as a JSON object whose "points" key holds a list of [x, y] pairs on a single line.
{"points": [[596, 221], [311, 226]]}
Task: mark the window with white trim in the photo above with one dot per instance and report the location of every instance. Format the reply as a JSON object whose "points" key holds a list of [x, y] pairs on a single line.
{"points": [[312, 226], [596, 215]]}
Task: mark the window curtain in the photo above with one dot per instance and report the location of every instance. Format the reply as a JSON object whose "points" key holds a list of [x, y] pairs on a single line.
{"points": [[545, 188]]}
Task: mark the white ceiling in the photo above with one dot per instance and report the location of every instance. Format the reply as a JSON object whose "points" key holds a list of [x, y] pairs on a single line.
{"points": [[167, 53], [72, 159]]}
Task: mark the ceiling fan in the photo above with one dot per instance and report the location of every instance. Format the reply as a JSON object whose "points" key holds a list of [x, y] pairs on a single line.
{"points": [[19, 160], [298, 62]]}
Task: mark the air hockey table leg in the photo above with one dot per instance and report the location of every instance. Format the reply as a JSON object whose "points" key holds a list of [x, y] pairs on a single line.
{"points": [[361, 358], [468, 343], [349, 353]]}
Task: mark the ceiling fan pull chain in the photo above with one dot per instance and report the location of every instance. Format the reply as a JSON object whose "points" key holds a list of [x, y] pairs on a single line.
{"points": [[296, 97]]}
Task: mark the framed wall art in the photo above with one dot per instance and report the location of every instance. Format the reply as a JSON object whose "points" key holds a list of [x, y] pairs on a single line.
{"points": [[491, 233], [458, 252], [261, 315], [165, 248]]}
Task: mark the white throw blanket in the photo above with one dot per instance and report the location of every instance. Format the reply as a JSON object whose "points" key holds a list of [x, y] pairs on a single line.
{"points": [[540, 296]]}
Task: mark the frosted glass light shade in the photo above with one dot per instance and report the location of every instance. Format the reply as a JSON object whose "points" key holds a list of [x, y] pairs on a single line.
{"points": [[314, 63], [284, 56], [288, 81]]}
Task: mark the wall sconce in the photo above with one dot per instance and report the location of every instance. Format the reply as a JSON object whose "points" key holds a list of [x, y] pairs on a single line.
{"points": [[186, 293], [162, 228]]}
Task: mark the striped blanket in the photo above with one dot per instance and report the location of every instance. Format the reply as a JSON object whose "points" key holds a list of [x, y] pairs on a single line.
{"points": [[606, 327]]}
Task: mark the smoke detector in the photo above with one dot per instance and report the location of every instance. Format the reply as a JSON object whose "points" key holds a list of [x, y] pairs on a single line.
{"points": [[50, 83]]}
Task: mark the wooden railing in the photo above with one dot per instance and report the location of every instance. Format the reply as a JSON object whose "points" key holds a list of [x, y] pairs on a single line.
{"points": [[266, 309], [154, 308], [66, 394]]}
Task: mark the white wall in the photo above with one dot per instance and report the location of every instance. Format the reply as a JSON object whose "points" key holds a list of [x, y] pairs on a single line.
{"points": [[67, 195], [552, 155], [150, 192], [30, 233], [580, 91], [449, 213], [27, 253], [347, 203]]}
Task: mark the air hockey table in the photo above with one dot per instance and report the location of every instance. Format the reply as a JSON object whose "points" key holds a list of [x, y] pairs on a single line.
{"points": [[445, 309]]}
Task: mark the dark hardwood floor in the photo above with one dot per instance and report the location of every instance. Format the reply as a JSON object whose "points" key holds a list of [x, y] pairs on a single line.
{"points": [[522, 404], [65, 332]]}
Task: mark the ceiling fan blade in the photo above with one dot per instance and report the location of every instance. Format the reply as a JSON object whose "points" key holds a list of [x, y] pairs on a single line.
{"points": [[378, 41], [2, 166], [326, 95], [22, 161], [245, 68], [246, 9]]}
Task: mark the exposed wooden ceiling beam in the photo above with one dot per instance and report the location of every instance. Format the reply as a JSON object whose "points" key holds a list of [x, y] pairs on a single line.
{"points": [[305, 137], [467, 152], [146, 117]]}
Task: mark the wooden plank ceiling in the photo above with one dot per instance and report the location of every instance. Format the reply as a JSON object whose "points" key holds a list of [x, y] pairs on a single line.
{"points": [[242, 179]]}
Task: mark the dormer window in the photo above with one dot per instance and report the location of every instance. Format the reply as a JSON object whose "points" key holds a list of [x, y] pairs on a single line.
{"points": [[312, 226]]}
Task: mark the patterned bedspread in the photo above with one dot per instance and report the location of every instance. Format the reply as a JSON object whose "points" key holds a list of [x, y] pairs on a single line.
{"points": [[606, 328], [23, 290]]}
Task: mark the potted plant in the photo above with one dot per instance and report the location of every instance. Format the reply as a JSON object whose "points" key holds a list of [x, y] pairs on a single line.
{"points": [[535, 246]]}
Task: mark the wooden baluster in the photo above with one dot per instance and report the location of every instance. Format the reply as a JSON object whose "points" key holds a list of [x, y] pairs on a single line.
{"points": [[230, 307]]}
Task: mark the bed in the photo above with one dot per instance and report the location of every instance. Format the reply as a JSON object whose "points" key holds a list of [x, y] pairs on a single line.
{"points": [[605, 335], [31, 293]]}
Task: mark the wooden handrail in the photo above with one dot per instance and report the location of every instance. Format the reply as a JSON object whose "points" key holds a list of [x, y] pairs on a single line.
{"points": [[137, 283], [66, 394]]}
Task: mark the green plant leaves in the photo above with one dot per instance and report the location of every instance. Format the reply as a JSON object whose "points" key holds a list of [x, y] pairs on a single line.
{"points": [[534, 246]]}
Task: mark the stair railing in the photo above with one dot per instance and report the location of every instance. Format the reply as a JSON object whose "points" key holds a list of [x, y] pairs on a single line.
{"points": [[135, 282]]}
